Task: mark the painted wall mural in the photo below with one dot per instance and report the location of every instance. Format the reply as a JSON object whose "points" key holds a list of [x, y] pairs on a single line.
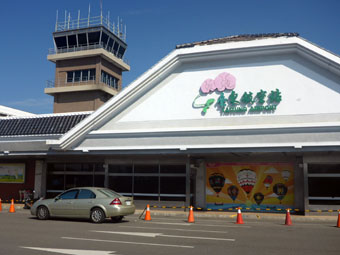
{"points": [[12, 173], [250, 185]]}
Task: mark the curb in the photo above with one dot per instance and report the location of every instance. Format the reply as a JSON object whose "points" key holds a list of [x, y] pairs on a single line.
{"points": [[246, 215]]}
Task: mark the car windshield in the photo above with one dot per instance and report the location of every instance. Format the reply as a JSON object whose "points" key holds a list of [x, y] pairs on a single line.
{"points": [[109, 193]]}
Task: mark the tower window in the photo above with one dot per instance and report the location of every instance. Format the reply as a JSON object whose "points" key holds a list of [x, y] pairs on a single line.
{"points": [[72, 41], [121, 52], [81, 75], [94, 37], [77, 75], [109, 80], [82, 39]]}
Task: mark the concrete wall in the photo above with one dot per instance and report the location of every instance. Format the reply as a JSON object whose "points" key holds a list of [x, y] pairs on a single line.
{"points": [[82, 100], [79, 101]]}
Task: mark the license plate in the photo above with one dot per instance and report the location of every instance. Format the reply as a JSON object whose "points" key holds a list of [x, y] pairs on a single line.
{"points": [[128, 202]]}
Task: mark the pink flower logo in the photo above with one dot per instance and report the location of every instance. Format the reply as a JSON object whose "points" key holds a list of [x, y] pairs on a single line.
{"points": [[225, 81], [207, 86], [222, 82]]}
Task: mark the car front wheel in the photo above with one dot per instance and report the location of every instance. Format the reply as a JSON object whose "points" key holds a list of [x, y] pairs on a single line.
{"points": [[97, 215], [43, 213]]}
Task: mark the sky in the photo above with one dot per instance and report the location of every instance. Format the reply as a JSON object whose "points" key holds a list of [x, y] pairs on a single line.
{"points": [[154, 28]]}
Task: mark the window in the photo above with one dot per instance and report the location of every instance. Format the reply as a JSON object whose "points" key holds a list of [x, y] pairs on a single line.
{"points": [[63, 176], [121, 52], [69, 194], [77, 75], [81, 75], [94, 37], [70, 76], [72, 41], [109, 80], [152, 181], [109, 193], [85, 76], [86, 194], [323, 184]]}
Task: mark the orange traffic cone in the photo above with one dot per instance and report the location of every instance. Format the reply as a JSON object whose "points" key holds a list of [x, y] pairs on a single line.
{"points": [[338, 225], [288, 219], [191, 215], [147, 213], [11, 208], [0, 205], [239, 219]]}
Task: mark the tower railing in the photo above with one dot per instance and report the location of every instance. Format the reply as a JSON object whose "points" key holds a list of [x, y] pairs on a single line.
{"points": [[91, 22], [92, 46], [65, 83]]}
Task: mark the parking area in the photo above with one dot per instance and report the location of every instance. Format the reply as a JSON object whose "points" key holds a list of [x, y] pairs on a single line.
{"points": [[23, 234]]}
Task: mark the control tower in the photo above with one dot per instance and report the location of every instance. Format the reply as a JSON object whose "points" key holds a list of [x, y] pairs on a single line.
{"points": [[89, 58]]}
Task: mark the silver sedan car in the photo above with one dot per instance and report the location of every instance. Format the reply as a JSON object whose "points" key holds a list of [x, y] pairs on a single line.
{"points": [[92, 203]]}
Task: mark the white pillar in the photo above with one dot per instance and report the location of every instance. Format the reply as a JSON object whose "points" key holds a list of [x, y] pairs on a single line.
{"points": [[40, 179]]}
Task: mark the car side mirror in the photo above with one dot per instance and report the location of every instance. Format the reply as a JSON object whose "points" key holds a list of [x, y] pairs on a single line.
{"points": [[56, 199]]}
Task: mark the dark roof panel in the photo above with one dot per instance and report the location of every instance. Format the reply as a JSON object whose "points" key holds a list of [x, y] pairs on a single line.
{"points": [[53, 124], [237, 38]]}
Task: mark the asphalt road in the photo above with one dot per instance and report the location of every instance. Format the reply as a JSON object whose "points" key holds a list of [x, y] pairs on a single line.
{"points": [[22, 234]]}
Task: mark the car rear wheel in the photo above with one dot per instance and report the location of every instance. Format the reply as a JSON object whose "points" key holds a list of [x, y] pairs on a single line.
{"points": [[117, 218], [97, 215], [43, 213]]}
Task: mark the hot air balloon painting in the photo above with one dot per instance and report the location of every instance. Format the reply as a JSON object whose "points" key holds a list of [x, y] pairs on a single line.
{"points": [[247, 179], [216, 181], [285, 175], [268, 181], [280, 190], [233, 192], [258, 197]]}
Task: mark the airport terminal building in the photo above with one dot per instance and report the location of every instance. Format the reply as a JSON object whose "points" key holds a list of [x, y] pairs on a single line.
{"points": [[251, 121]]}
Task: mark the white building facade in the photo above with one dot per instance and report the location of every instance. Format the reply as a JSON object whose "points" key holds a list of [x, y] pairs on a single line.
{"points": [[250, 121]]}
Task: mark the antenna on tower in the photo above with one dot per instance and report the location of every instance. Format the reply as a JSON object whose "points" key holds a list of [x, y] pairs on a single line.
{"points": [[121, 28], [56, 22], [101, 12], [78, 17], [88, 16], [118, 26], [69, 19]]}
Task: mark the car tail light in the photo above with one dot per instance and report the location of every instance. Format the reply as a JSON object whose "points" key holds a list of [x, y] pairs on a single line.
{"points": [[116, 201]]}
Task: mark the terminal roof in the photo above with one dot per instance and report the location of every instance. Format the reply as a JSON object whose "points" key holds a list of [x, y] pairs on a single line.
{"points": [[237, 38], [47, 124]]}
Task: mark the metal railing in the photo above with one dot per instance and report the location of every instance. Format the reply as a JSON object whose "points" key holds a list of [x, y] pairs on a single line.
{"points": [[64, 83], [91, 22], [93, 46]]}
